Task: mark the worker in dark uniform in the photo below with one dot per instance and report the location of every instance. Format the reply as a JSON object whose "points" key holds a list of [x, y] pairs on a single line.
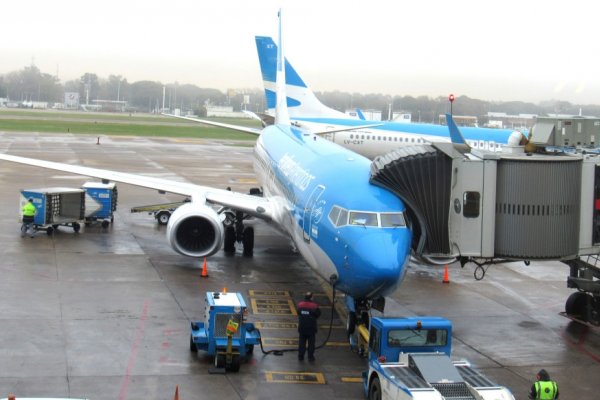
{"points": [[28, 211], [543, 388], [308, 312]]}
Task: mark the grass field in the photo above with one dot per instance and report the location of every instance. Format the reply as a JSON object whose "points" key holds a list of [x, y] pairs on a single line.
{"points": [[117, 124]]}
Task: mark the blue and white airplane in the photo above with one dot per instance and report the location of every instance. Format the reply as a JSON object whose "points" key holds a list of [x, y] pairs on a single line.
{"points": [[307, 111], [349, 231]]}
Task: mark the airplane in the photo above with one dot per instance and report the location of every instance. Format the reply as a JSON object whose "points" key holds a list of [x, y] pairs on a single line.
{"points": [[307, 111], [351, 232]]}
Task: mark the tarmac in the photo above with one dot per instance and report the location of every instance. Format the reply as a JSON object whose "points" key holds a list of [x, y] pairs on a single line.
{"points": [[105, 313]]}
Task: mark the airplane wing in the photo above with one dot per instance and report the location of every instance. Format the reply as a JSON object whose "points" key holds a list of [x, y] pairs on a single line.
{"points": [[253, 131], [257, 206]]}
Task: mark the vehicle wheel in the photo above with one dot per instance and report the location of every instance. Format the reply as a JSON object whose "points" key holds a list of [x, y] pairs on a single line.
{"points": [[235, 363], [220, 361], [351, 323], [76, 227], [577, 305], [49, 231], [527, 262], [249, 349], [375, 389], [55, 226], [193, 347], [163, 217], [105, 224], [229, 245], [248, 241]]}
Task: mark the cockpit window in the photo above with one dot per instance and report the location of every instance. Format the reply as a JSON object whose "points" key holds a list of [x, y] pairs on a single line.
{"points": [[338, 216], [363, 218], [392, 220]]}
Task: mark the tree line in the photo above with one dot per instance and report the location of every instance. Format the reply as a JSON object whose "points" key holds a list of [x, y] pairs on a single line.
{"points": [[30, 84]]}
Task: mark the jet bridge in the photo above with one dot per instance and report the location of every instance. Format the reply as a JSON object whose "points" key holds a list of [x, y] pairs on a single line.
{"points": [[483, 207]]}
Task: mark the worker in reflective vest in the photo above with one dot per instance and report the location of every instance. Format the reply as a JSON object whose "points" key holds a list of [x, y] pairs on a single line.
{"points": [[543, 388], [28, 211]]}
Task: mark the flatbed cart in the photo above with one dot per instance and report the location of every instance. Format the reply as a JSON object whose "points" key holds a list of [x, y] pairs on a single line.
{"points": [[56, 207], [100, 202], [224, 334], [162, 212]]}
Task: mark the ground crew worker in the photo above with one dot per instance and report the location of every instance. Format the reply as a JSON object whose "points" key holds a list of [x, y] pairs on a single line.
{"points": [[29, 211], [543, 388], [308, 312]]}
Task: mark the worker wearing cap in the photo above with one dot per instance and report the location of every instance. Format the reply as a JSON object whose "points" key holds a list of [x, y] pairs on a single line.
{"points": [[28, 211], [308, 312], [543, 388]]}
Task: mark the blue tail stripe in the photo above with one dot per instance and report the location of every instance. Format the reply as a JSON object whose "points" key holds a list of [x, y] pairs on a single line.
{"points": [[267, 57], [272, 96]]}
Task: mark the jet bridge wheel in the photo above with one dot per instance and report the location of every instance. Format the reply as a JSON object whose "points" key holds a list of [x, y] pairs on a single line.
{"points": [[577, 305], [248, 241], [375, 389]]}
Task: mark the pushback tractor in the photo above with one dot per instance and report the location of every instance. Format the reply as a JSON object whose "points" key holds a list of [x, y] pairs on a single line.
{"points": [[224, 334]]}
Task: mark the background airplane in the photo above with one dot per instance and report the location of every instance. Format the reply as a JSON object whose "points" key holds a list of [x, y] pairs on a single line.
{"points": [[349, 231], [307, 111]]}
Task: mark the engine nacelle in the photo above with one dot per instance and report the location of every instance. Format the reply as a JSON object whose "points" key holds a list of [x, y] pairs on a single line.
{"points": [[517, 138], [195, 230]]}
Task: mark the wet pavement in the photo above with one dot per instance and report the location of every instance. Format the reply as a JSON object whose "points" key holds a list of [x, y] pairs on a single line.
{"points": [[105, 314]]}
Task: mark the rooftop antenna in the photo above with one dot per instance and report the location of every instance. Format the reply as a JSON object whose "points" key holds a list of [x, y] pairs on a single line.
{"points": [[281, 111]]}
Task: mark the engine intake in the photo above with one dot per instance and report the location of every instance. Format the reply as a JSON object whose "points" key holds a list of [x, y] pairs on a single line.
{"points": [[195, 230]]}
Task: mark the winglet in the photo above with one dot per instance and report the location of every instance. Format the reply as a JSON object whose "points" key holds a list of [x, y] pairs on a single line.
{"points": [[281, 111], [455, 136]]}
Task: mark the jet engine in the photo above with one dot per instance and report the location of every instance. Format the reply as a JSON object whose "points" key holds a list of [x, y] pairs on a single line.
{"points": [[195, 230]]}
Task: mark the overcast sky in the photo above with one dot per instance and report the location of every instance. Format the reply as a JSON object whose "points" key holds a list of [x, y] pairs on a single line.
{"points": [[491, 50]]}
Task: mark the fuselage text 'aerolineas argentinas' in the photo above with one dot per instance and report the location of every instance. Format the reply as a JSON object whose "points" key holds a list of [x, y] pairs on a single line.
{"points": [[351, 232], [380, 138]]}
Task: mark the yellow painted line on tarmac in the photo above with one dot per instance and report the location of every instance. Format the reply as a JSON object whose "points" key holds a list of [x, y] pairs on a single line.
{"points": [[315, 378], [351, 379]]}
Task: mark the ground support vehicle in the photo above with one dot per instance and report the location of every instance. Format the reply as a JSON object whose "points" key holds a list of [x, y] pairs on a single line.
{"points": [[224, 334], [100, 202], [162, 212], [55, 207], [409, 358]]}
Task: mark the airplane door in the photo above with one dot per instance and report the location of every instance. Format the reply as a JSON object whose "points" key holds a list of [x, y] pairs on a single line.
{"points": [[309, 215]]}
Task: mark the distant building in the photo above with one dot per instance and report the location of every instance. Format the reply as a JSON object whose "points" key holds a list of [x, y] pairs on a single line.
{"points": [[504, 120], [71, 100], [562, 130], [111, 105], [224, 111], [370, 115], [460, 120]]}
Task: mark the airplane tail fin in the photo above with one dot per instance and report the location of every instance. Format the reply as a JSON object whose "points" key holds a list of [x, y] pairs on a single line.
{"points": [[281, 109], [301, 101]]}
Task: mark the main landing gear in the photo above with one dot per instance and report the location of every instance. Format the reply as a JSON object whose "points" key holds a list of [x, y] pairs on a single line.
{"points": [[357, 322], [236, 231]]}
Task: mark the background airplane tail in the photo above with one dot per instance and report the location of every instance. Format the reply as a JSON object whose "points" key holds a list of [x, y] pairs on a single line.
{"points": [[301, 101]]}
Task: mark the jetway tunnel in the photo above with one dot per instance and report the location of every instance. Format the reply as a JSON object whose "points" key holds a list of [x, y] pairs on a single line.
{"points": [[487, 205]]}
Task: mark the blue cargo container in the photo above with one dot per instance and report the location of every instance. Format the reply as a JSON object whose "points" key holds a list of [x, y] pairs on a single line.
{"points": [[101, 202], [56, 206]]}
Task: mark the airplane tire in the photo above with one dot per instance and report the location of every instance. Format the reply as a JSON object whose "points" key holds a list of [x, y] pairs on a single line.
{"points": [[163, 217], [76, 227], [229, 240], [193, 347], [248, 241], [577, 305], [375, 389]]}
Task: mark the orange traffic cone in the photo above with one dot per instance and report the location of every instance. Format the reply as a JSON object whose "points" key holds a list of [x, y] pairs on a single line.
{"points": [[176, 397], [446, 279], [204, 269]]}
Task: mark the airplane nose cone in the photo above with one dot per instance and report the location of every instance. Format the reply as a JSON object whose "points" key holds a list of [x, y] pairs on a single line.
{"points": [[377, 262]]}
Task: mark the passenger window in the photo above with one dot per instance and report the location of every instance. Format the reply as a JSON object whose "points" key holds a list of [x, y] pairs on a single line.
{"points": [[471, 204], [363, 218], [392, 220], [351, 136]]}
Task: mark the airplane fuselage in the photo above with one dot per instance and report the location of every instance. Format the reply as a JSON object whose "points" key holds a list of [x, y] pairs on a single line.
{"points": [[340, 223], [375, 141]]}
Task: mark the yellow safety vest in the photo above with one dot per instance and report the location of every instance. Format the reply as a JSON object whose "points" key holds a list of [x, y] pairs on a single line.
{"points": [[29, 210], [545, 390]]}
